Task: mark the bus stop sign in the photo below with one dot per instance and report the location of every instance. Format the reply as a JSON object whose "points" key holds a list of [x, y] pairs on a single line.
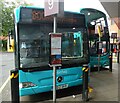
{"points": [[53, 7], [55, 49]]}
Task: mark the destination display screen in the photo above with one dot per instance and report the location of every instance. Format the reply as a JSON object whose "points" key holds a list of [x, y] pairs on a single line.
{"points": [[29, 15]]}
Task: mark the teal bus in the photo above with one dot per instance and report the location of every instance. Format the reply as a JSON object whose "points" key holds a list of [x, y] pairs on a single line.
{"points": [[32, 49], [95, 18]]}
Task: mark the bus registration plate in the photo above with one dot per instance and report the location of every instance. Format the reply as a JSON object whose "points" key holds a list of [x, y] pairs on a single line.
{"points": [[62, 86]]}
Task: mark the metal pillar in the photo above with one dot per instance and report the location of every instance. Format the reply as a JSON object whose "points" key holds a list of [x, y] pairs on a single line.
{"points": [[54, 84], [98, 62], [85, 83], [99, 55], [118, 61], [110, 60], [14, 86], [118, 56], [54, 68]]}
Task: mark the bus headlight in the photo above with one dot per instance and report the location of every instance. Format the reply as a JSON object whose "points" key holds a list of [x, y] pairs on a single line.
{"points": [[26, 85]]}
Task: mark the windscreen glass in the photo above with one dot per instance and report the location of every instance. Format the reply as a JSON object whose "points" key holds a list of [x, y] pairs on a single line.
{"points": [[71, 41], [34, 44]]}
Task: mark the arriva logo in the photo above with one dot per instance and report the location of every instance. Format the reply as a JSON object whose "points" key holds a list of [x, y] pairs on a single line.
{"points": [[62, 72]]}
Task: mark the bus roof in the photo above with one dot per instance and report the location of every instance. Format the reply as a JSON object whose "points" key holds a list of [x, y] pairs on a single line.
{"points": [[92, 14]]}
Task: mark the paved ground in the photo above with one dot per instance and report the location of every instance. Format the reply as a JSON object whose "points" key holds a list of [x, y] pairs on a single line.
{"points": [[7, 63], [104, 84]]}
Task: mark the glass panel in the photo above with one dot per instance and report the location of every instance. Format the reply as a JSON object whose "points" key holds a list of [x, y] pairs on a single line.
{"points": [[104, 47], [72, 45], [93, 47], [34, 45]]}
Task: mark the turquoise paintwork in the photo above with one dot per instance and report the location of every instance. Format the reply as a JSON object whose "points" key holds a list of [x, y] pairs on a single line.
{"points": [[104, 61], [17, 14], [44, 80]]}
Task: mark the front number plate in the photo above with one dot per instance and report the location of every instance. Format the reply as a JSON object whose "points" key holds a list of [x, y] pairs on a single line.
{"points": [[62, 86]]}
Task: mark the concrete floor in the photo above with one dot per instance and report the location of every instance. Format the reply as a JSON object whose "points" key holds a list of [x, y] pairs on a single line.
{"points": [[104, 84]]}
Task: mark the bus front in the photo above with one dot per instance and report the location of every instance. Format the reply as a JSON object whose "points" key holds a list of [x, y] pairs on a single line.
{"points": [[32, 50], [97, 19]]}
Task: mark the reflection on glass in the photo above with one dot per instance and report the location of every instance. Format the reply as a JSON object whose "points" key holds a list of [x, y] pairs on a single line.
{"points": [[72, 45], [34, 45], [93, 47]]}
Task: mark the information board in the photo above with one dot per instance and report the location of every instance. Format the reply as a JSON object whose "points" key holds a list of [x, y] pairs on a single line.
{"points": [[55, 48]]}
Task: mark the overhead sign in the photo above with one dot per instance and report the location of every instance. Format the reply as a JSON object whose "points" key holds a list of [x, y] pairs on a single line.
{"points": [[55, 48], [53, 7]]}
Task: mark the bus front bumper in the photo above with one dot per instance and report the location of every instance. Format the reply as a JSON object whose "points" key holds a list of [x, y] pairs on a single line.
{"points": [[40, 89]]}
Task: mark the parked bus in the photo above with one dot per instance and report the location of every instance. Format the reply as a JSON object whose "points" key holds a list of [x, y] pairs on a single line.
{"points": [[32, 50], [95, 19]]}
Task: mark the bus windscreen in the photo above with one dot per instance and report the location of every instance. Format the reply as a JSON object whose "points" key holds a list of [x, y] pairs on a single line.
{"points": [[33, 32]]}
